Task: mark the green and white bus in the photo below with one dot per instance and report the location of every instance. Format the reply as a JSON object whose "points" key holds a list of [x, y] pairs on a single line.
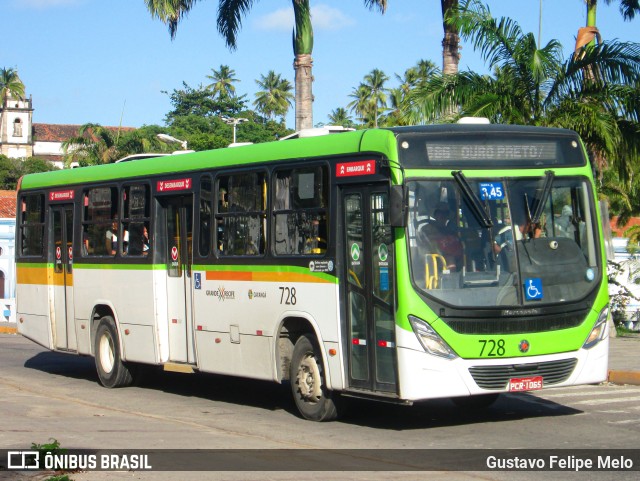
{"points": [[318, 262]]}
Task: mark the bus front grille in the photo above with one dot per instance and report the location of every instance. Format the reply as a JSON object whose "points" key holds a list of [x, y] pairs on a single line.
{"points": [[505, 325], [497, 377]]}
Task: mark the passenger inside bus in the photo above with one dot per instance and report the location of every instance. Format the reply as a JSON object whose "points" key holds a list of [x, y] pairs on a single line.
{"points": [[111, 237], [564, 223], [441, 234]]}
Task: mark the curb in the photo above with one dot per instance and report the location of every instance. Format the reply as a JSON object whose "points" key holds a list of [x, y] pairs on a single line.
{"points": [[624, 377], [8, 330]]}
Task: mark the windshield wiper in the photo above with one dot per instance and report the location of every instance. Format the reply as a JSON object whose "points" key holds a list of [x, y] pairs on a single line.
{"points": [[476, 205], [542, 200]]}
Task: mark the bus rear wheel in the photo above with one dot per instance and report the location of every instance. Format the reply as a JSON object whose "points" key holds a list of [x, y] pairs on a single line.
{"points": [[112, 372], [313, 400]]}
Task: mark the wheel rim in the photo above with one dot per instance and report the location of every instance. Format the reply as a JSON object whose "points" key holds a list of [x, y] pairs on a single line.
{"points": [[106, 353], [310, 379]]}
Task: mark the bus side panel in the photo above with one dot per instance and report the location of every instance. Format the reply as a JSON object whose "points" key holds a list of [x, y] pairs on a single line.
{"points": [[129, 294], [32, 304], [160, 314], [242, 314], [246, 355]]}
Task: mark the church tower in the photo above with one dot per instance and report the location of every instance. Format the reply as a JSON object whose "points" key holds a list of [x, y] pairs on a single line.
{"points": [[16, 132]]}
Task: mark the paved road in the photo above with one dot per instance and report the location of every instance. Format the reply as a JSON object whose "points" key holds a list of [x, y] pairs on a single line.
{"points": [[49, 395]]}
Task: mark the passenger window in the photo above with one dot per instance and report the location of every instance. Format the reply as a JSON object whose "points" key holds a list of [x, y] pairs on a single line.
{"points": [[101, 224], [31, 224], [204, 246], [241, 214], [135, 221], [300, 211]]}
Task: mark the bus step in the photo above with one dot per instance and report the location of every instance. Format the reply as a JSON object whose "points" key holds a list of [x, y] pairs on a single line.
{"points": [[178, 367]]}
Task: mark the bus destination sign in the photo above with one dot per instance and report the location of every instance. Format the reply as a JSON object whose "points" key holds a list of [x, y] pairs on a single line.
{"points": [[458, 151], [173, 185], [351, 169], [60, 195]]}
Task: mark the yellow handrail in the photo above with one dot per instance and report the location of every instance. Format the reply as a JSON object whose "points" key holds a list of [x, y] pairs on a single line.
{"points": [[433, 281]]}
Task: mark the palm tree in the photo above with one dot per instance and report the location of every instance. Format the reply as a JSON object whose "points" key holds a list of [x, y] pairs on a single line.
{"points": [[275, 96], [370, 97], [395, 115], [451, 39], [537, 87], [340, 116], [588, 34], [94, 145], [230, 13], [222, 82], [10, 86], [417, 74], [361, 104]]}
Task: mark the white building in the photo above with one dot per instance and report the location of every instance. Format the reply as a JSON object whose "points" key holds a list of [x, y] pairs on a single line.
{"points": [[7, 253], [21, 138], [16, 138]]}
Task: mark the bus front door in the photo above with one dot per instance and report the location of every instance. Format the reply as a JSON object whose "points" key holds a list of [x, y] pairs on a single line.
{"points": [[179, 230], [62, 253], [369, 265]]}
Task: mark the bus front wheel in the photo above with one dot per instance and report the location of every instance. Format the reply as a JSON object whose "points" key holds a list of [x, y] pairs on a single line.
{"points": [[112, 372], [313, 400]]}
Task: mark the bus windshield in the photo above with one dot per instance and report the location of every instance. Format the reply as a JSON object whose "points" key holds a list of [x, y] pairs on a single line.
{"points": [[508, 242]]}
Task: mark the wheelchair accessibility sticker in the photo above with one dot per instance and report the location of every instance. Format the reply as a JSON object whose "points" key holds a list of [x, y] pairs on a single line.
{"points": [[533, 289]]}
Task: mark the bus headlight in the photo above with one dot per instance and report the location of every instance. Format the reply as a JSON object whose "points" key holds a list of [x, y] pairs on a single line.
{"points": [[599, 330], [430, 340]]}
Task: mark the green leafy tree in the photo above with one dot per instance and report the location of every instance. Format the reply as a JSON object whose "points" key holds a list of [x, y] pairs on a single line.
{"points": [[230, 15], [202, 102], [12, 169]]}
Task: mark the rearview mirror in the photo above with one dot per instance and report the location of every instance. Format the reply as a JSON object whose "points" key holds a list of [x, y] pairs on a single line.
{"points": [[398, 207]]}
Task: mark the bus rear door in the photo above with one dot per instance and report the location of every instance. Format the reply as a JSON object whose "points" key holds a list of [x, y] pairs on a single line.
{"points": [[368, 268], [61, 250], [179, 237]]}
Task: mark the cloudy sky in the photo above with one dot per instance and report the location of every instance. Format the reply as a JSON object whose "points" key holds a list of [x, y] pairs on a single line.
{"points": [[100, 61]]}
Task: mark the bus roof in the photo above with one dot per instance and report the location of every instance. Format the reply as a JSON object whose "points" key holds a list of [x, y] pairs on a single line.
{"points": [[345, 143], [366, 141], [481, 128]]}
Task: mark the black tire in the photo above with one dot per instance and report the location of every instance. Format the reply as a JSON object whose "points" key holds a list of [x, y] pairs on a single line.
{"points": [[481, 401], [313, 400], [112, 372]]}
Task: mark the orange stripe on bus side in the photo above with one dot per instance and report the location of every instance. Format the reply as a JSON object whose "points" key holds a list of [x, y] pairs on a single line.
{"points": [[229, 276], [263, 277], [42, 276]]}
